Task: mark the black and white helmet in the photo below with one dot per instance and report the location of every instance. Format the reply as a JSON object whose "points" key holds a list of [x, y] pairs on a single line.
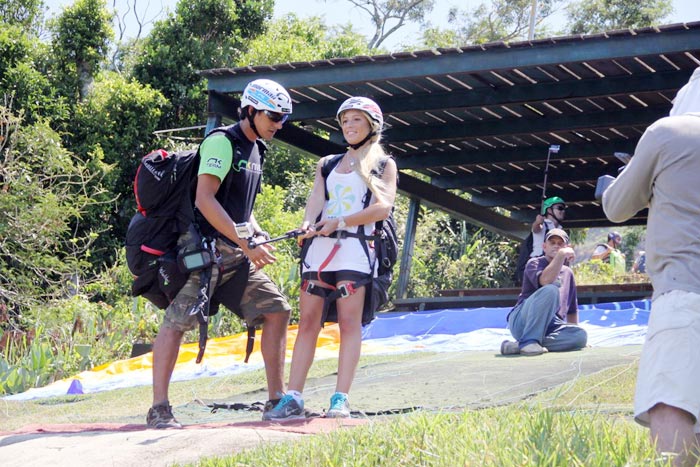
{"points": [[265, 94], [366, 105]]}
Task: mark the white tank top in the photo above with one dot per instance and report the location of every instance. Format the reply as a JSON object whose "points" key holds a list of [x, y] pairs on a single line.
{"points": [[345, 196]]}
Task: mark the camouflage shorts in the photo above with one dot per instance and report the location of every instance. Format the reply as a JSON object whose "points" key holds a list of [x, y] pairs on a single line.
{"points": [[261, 296]]}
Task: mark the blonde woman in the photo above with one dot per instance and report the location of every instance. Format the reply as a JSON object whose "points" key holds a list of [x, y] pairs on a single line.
{"points": [[339, 261]]}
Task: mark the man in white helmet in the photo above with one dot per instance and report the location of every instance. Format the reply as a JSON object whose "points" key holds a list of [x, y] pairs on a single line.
{"points": [[229, 178]]}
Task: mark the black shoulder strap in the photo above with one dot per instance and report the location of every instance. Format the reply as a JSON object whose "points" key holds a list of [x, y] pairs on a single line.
{"points": [[327, 168], [236, 151]]}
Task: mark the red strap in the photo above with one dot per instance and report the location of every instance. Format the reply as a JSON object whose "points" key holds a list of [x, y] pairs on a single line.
{"points": [[152, 251], [335, 249]]}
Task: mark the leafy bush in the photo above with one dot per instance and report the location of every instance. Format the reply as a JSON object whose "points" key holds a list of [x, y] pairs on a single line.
{"points": [[45, 192], [24, 365]]}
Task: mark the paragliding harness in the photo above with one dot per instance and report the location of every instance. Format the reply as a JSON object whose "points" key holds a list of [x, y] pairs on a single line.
{"points": [[164, 186], [385, 244]]}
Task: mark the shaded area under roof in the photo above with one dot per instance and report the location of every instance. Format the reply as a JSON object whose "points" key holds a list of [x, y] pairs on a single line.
{"points": [[480, 120]]}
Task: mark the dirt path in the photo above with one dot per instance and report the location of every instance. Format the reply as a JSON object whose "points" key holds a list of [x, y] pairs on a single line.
{"points": [[449, 381]]}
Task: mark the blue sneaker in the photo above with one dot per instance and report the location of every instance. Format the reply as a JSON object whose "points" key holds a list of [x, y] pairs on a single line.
{"points": [[339, 406], [286, 409]]}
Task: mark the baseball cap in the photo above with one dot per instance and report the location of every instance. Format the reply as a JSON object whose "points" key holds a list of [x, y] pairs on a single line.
{"points": [[557, 233]]}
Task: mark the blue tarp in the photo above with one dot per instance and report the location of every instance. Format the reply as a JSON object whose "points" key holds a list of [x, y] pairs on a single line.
{"points": [[451, 330], [464, 320]]}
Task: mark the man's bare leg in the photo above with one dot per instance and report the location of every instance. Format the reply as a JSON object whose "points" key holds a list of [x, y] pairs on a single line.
{"points": [[672, 430]]}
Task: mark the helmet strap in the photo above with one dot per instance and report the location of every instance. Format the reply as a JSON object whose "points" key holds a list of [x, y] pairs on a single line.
{"points": [[357, 146], [251, 117], [554, 215]]}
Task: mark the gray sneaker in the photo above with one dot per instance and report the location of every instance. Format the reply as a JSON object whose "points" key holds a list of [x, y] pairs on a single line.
{"points": [[286, 409], [161, 416], [532, 349], [339, 406], [510, 348]]}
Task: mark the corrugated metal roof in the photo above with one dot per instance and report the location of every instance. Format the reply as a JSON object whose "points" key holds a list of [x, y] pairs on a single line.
{"points": [[481, 119]]}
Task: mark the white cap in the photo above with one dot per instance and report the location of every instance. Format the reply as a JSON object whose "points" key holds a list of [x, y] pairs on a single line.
{"points": [[688, 98]]}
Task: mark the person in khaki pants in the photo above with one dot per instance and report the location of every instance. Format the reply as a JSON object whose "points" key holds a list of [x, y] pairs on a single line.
{"points": [[662, 175]]}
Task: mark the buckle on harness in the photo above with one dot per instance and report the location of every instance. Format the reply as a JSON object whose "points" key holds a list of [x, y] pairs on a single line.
{"points": [[307, 286], [346, 290], [340, 234]]}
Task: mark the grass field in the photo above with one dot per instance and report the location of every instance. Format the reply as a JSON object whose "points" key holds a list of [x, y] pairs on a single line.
{"points": [[587, 422]]}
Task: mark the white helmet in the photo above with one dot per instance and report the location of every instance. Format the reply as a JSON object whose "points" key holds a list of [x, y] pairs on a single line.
{"points": [[366, 105], [265, 94]]}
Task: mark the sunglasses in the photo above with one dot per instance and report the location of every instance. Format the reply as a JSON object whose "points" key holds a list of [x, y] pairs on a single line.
{"points": [[276, 117], [560, 208]]}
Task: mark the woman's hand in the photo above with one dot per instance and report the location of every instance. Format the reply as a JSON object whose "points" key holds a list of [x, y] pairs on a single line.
{"points": [[327, 226], [309, 230]]}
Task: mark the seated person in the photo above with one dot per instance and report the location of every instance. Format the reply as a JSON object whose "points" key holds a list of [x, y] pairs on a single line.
{"points": [[545, 317], [551, 217]]}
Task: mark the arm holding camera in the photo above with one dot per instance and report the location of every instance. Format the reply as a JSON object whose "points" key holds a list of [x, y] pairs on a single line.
{"points": [[631, 191]]}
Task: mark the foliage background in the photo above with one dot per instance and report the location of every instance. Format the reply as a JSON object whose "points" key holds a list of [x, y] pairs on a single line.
{"points": [[80, 104]]}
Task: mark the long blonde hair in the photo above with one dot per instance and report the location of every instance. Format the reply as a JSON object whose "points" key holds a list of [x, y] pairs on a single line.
{"points": [[370, 158]]}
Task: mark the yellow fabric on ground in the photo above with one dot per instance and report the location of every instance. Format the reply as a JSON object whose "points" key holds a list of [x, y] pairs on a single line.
{"points": [[220, 351]]}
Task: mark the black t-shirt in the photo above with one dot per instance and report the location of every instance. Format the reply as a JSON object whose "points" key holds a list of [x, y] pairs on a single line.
{"points": [[243, 179]]}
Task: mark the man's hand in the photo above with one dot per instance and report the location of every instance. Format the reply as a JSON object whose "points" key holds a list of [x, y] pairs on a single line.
{"points": [[261, 255], [567, 254], [538, 223]]}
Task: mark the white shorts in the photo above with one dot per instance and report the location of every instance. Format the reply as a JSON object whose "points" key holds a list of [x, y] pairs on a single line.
{"points": [[669, 369]]}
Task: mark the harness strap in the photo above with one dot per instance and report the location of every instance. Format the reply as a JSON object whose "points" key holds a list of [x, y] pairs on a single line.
{"points": [[259, 406], [325, 263], [203, 305], [201, 308], [329, 295]]}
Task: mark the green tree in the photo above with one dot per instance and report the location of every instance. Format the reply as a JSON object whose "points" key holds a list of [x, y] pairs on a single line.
{"points": [[499, 20], [200, 35], [388, 16], [82, 35], [291, 39], [45, 192], [591, 16], [25, 76], [27, 14], [113, 129]]}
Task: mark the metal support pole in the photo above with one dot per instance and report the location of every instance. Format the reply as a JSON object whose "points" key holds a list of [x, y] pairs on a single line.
{"points": [[407, 252], [214, 119]]}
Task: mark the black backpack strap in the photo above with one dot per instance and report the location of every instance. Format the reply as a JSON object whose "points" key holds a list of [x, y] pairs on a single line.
{"points": [[327, 168]]}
